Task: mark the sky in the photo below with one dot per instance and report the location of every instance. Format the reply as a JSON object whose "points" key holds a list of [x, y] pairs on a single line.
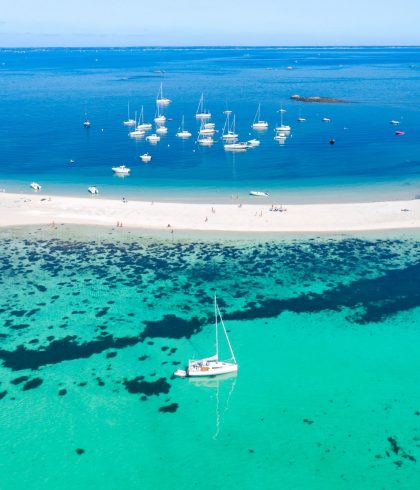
{"points": [[212, 22]]}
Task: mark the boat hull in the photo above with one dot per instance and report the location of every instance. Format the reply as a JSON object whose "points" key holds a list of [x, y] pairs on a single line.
{"points": [[211, 369]]}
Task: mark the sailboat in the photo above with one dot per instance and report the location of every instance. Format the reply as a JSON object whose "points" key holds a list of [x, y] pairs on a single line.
{"points": [[159, 118], [142, 126], [211, 366], [201, 113], [161, 100], [182, 133], [283, 127], [229, 133], [258, 124], [137, 132], [206, 129], [86, 124], [129, 122]]}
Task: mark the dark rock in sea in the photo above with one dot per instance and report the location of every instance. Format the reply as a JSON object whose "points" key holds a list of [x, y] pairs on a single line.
{"points": [[148, 388], [325, 100], [173, 407], [19, 380], [173, 327], [3, 394], [62, 392], [80, 451], [111, 354], [33, 383]]}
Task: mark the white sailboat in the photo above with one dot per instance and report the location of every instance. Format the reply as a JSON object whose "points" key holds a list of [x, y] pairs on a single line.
{"points": [[159, 118], [182, 132], [211, 366], [258, 123], [121, 170], [283, 127], [142, 126], [161, 129], [229, 133], [206, 129], [153, 138], [129, 122], [160, 99], [137, 132], [202, 113]]}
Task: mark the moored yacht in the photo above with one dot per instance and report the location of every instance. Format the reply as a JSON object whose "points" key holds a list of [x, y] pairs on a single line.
{"points": [[161, 100], [145, 157], [258, 123], [122, 170], [211, 366], [182, 132], [202, 113]]}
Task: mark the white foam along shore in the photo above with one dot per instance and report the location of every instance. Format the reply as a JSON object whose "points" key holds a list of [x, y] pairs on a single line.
{"points": [[37, 208]]}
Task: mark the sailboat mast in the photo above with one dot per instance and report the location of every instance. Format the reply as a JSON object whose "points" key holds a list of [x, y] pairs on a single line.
{"points": [[215, 319], [226, 335]]}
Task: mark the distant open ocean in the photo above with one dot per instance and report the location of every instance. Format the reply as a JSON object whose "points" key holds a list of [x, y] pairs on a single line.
{"points": [[46, 92], [95, 320]]}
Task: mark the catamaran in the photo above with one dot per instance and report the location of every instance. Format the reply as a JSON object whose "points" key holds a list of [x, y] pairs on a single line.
{"points": [[202, 113], [160, 99], [258, 124], [182, 132], [129, 122], [211, 366]]}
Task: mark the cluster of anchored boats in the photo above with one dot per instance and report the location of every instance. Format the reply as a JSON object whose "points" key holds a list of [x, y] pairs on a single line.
{"points": [[207, 129]]}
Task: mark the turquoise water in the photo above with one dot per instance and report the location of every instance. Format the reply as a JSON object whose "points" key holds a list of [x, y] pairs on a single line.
{"points": [[45, 94], [93, 324]]}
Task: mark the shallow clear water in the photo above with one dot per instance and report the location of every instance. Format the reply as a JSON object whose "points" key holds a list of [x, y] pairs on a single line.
{"points": [[47, 92], [93, 325]]}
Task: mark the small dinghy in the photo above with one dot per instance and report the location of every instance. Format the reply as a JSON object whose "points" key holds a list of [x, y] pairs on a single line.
{"points": [[93, 190], [259, 193], [35, 186]]}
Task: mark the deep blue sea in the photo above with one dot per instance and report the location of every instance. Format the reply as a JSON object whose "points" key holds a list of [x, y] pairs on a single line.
{"points": [[45, 94]]}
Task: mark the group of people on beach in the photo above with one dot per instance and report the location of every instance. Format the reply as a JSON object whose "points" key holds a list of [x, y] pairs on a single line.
{"points": [[280, 208]]}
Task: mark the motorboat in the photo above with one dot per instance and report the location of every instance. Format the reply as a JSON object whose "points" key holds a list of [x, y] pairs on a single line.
{"points": [[86, 123], [259, 193], [161, 100], [35, 186], [93, 190], [301, 119], [145, 157], [253, 143], [236, 146], [182, 132], [202, 113], [258, 123], [399, 133], [153, 138], [211, 366], [121, 170], [394, 122], [326, 119]]}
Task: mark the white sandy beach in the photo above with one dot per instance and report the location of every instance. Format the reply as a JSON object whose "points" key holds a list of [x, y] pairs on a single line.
{"points": [[37, 208]]}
